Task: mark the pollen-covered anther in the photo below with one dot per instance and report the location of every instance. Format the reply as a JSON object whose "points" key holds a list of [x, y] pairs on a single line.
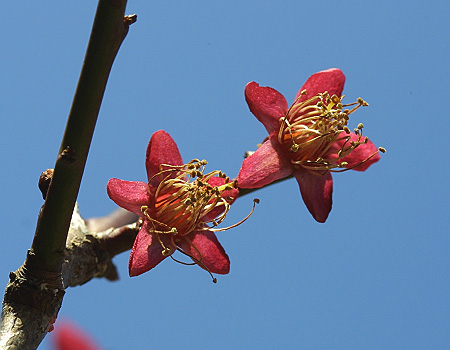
{"points": [[335, 99], [362, 102]]}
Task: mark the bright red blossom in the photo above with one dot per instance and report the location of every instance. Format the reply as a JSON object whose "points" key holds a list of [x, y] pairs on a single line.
{"points": [[180, 205], [309, 140]]}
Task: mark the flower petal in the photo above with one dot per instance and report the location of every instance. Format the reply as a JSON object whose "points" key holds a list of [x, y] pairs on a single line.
{"points": [[358, 155], [131, 195], [316, 192], [331, 80], [264, 166], [161, 149], [212, 255], [67, 336], [267, 104], [147, 250]]}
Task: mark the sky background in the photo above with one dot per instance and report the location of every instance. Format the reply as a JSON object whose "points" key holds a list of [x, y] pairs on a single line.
{"points": [[374, 276]]}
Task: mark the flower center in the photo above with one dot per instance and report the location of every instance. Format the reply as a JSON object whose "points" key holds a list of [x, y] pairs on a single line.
{"points": [[316, 132], [184, 198], [184, 202]]}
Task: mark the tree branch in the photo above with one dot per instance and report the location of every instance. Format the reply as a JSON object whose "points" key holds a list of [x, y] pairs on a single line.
{"points": [[34, 293], [117, 218], [89, 254], [108, 32]]}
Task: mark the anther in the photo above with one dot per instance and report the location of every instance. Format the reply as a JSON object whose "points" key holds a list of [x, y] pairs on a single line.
{"points": [[362, 102], [335, 99], [382, 149]]}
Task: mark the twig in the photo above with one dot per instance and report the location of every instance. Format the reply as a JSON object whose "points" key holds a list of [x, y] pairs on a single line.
{"points": [[117, 218]]}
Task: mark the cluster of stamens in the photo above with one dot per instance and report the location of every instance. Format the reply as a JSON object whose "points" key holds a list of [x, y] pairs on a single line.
{"points": [[310, 128], [183, 200]]}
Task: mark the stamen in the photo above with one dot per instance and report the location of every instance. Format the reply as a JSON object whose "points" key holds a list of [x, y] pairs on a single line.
{"points": [[182, 200], [380, 149], [196, 261], [182, 262], [172, 230], [255, 201], [166, 251], [311, 127]]}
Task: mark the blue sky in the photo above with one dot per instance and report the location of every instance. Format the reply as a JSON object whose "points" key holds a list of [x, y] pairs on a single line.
{"points": [[375, 275]]}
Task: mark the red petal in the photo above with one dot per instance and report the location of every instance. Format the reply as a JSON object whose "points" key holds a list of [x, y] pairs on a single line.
{"points": [[317, 192], [69, 337], [267, 104], [213, 256], [331, 80], [131, 195], [147, 251], [161, 149], [264, 166], [359, 154]]}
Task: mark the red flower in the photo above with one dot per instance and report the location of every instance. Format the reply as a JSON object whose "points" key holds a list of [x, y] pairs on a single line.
{"points": [[178, 205], [308, 140], [69, 337]]}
